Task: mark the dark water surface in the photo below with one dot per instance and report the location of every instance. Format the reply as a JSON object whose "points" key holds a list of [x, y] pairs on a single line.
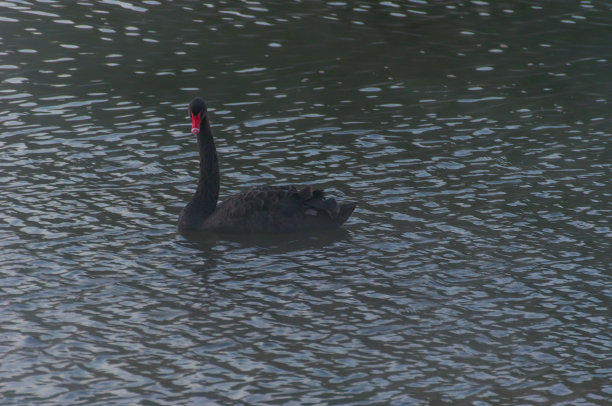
{"points": [[475, 137]]}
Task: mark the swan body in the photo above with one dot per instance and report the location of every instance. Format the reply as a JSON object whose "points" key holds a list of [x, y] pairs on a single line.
{"points": [[263, 209]]}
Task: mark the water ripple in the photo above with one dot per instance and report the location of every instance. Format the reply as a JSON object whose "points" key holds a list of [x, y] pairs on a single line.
{"points": [[475, 269]]}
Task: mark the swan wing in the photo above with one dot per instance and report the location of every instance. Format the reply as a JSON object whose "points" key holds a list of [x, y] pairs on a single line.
{"points": [[277, 208]]}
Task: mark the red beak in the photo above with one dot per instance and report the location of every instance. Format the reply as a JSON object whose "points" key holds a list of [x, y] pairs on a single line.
{"points": [[196, 122]]}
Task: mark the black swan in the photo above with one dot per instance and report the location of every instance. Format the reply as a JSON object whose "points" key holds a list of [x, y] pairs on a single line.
{"points": [[264, 209]]}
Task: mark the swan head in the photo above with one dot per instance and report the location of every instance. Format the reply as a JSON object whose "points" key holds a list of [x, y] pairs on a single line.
{"points": [[197, 111]]}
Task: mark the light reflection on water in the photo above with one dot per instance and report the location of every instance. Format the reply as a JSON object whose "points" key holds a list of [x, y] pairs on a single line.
{"points": [[474, 137]]}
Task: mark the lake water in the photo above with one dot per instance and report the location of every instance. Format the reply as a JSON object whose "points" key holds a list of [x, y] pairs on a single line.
{"points": [[475, 137]]}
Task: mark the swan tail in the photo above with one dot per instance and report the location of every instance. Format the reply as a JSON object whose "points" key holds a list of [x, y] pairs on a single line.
{"points": [[346, 209], [338, 213]]}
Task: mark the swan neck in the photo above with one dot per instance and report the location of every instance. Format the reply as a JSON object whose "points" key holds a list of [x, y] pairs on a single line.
{"points": [[207, 192]]}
